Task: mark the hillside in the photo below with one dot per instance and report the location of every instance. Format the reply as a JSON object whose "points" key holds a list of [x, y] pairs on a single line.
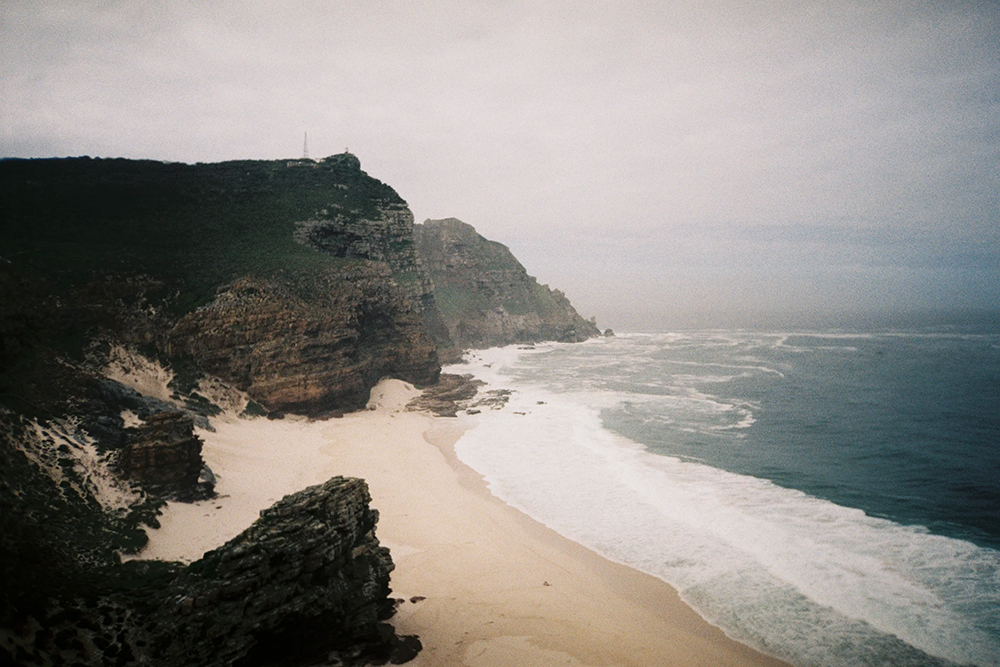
{"points": [[486, 296], [203, 262], [140, 300]]}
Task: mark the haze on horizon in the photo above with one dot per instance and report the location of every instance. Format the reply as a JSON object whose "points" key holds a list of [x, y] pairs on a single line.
{"points": [[666, 164]]}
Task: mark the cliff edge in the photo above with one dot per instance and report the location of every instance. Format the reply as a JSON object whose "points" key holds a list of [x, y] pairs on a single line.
{"points": [[296, 282], [486, 296]]}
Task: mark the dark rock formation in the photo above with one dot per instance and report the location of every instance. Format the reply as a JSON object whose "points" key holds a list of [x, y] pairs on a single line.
{"points": [[309, 577], [484, 294], [386, 238], [459, 392], [451, 394], [164, 456], [308, 580]]}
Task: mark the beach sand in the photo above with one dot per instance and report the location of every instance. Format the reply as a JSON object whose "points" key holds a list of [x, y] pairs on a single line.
{"points": [[483, 584]]}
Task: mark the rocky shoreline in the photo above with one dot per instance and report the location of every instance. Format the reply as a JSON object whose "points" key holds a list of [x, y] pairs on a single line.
{"points": [[140, 302]]}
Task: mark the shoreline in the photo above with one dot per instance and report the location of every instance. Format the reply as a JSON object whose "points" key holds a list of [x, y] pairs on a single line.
{"points": [[481, 583], [669, 630]]}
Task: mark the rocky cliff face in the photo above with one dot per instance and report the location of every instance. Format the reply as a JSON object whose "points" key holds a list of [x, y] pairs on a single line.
{"points": [[310, 344], [307, 583], [295, 281], [486, 297], [387, 238], [163, 455]]}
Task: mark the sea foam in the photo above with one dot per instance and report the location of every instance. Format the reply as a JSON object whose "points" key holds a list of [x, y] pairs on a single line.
{"points": [[796, 576]]}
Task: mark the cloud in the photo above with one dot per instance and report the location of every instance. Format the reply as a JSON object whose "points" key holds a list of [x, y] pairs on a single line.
{"points": [[811, 150]]}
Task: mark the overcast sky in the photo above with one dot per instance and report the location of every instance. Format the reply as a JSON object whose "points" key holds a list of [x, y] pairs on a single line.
{"points": [[667, 164]]}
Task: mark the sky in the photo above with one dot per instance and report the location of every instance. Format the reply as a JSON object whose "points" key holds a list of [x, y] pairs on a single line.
{"points": [[666, 164]]}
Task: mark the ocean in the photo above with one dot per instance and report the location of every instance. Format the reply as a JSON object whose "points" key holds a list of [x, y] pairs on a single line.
{"points": [[830, 498]]}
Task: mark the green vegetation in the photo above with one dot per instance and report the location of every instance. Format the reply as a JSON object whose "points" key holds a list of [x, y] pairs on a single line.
{"points": [[192, 227], [456, 301]]}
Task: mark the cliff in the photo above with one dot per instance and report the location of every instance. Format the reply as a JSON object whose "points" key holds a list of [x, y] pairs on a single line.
{"points": [[310, 343], [485, 296], [137, 299], [297, 281]]}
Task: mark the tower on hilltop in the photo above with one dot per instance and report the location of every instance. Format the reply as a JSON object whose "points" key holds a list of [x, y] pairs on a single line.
{"points": [[305, 146]]}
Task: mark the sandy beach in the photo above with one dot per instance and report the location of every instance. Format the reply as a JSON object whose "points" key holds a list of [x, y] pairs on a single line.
{"points": [[483, 584]]}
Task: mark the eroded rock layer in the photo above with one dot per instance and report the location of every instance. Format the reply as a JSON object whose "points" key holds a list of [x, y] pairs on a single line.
{"points": [[310, 344], [163, 455]]}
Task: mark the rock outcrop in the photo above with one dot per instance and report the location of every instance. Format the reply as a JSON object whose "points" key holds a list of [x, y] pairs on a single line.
{"points": [[451, 394], [163, 455], [310, 344], [308, 578], [307, 583], [485, 295]]}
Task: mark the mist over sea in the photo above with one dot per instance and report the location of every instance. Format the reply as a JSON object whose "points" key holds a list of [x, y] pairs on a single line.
{"points": [[829, 497]]}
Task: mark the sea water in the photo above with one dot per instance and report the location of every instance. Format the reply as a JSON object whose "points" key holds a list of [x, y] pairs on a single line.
{"points": [[829, 498]]}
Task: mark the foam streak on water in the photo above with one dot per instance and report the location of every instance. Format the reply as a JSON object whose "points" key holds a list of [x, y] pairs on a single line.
{"points": [[799, 577]]}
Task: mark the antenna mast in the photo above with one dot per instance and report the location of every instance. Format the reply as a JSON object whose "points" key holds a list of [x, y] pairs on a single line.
{"points": [[305, 146]]}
